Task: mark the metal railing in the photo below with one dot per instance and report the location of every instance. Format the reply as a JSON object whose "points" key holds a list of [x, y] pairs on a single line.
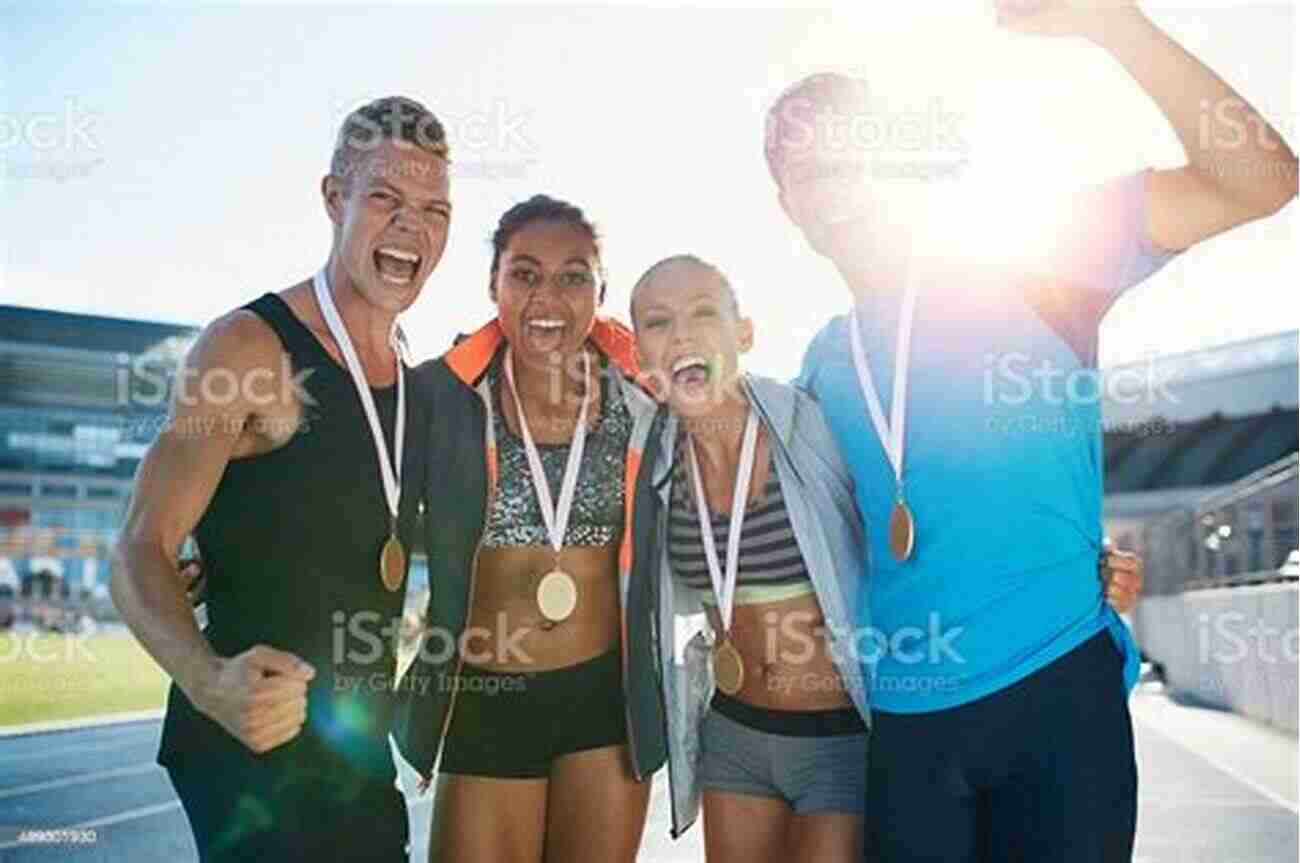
{"points": [[1245, 533]]}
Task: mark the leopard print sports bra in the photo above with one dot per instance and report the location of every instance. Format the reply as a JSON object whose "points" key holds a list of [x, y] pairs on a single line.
{"points": [[515, 518]]}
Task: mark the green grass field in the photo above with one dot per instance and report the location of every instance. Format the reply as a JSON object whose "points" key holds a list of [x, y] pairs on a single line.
{"points": [[46, 676]]}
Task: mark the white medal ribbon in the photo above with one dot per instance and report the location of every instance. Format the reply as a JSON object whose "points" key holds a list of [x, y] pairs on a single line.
{"points": [[891, 435], [390, 471], [555, 517], [724, 585]]}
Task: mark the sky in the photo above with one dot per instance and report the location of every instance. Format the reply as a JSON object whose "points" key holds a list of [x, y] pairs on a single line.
{"points": [[163, 161]]}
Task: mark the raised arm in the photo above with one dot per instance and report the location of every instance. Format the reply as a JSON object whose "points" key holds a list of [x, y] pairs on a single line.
{"points": [[260, 695], [1238, 169]]}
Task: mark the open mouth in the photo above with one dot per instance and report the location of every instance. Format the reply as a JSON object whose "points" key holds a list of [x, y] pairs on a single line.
{"points": [[544, 334], [691, 371], [396, 266]]}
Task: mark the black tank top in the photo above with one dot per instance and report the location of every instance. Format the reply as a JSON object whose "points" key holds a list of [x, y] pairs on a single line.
{"points": [[290, 543]]}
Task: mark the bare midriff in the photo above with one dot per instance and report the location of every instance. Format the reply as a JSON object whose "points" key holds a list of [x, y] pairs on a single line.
{"points": [[507, 631], [786, 656]]}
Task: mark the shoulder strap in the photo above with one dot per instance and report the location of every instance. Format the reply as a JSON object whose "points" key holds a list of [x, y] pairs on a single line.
{"points": [[299, 342]]}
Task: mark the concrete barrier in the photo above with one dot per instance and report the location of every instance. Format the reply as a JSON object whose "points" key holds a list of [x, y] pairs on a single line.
{"points": [[1233, 647]]}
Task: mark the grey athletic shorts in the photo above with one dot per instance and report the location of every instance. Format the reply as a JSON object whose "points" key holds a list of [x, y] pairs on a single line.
{"points": [[816, 761]]}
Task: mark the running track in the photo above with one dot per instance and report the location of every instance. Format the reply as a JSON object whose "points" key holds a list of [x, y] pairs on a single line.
{"points": [[1214, 787]]}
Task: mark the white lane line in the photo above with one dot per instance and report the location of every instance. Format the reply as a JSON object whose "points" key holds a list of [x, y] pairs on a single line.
{"points": [[78, 779], [1215, 763], [78, 724], [128, 815]]}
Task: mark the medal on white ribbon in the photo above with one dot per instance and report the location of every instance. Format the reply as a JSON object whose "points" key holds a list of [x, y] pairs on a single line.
{"points": [[557, 592], [728, 665], [902, 526], [392, 556]]}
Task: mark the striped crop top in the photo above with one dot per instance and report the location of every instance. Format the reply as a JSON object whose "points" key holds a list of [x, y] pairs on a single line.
{"points": [[771, 565]]}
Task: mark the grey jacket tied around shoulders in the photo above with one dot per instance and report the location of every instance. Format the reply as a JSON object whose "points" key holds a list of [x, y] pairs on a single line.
{"points": [[818, 492]]}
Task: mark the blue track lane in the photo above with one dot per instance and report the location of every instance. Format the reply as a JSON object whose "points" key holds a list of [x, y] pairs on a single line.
{"points": [[1194, 806]]}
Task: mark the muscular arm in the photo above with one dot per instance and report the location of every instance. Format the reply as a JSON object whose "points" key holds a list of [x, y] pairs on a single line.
{"points": [[1238, 168], [173, 487]]}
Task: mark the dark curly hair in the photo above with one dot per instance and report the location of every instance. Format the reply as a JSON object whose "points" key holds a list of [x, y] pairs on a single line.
{"points": [[543, 208]]}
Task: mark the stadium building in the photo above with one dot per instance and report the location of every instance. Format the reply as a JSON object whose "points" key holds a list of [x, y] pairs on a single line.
{"points": [[1202, 478], [81, 397], [1182, 428]]}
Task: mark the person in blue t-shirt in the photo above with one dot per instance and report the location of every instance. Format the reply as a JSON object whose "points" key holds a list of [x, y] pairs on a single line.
{"points": [[965, 401]]}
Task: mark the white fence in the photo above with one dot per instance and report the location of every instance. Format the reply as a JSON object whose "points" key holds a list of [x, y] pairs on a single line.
{"points": [[1220, 610], [1231, 647]]}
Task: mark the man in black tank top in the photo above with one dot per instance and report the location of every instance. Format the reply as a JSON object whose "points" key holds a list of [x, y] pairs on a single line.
{"points": [[291, 456]]}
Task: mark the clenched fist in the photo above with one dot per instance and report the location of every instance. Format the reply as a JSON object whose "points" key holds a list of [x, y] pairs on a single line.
{"points": [[259, 696]]}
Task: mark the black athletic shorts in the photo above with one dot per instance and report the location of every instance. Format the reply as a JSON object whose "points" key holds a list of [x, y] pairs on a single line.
{"points": [[1043, 770], [243, 811], [514, 724]]}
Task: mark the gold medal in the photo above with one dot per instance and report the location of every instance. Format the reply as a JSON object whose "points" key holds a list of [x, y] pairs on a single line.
{"points": [[892, 434], [392, 557], [728, 667], [902, 531], [557, 595], [557, 592], [392, 563]]}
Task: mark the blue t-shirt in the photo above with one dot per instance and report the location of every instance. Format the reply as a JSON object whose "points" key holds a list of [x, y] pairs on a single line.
{"points": [[1002, 465]]}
